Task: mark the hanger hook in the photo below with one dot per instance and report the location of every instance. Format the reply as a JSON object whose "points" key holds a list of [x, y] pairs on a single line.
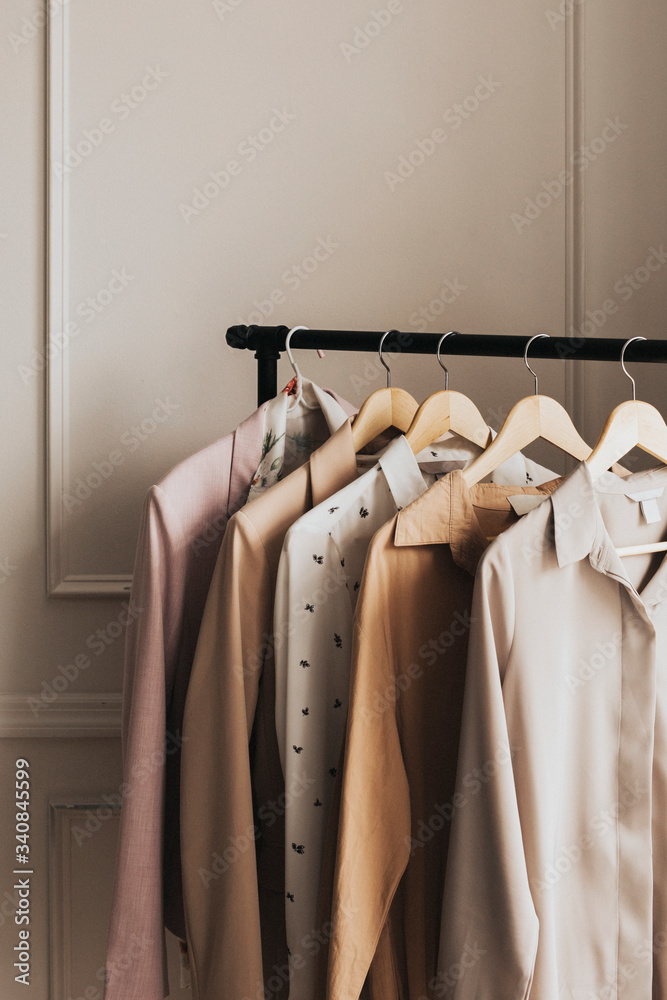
{"points": [[295, 367], [288, 338], [382, 361], [634, 391], [525, 357], [452, 333]]}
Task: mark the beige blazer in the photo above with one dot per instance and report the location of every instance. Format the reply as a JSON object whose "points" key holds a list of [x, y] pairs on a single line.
{"points": [[232, 789]]}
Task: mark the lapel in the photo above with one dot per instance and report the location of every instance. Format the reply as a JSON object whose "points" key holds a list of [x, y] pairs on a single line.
{"points": [[246, 456]]}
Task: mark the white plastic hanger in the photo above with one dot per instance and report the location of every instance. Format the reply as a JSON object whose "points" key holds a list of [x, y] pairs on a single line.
{"points": [[631, 424], [295, 367], [447, 410], [383, 409], [531, 418]]}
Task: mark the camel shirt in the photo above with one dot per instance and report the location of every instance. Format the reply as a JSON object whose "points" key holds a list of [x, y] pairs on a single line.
{"points": [[409, 652]]}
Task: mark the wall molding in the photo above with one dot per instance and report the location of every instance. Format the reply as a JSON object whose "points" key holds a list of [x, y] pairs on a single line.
{"points": [[575, 209], [60, 581], [64, 948], [69, 715]]}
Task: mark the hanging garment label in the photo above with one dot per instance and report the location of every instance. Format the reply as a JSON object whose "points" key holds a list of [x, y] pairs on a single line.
{"points": [[522, 503], [649, 507]]}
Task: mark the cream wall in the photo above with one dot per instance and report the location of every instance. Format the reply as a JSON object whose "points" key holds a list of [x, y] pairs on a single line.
{"points": [[536, 83]]}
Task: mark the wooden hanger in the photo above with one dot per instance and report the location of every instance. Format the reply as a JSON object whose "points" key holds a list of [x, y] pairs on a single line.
{"points": [[531, 418], [447, 410], [631, 424], [383, 409]]}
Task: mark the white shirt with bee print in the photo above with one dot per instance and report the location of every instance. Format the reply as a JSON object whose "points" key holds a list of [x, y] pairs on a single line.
{"points": [[318, 582]]}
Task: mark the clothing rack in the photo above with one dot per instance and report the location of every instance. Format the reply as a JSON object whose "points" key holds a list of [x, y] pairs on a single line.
{"points": [[268, 342]]}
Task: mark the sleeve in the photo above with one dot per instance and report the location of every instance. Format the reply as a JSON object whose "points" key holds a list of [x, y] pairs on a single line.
{"points": [[373, 846], [136, 967], [218, 831], [489, 928]]}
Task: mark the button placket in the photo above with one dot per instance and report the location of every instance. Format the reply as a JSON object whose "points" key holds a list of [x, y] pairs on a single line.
{"points": [[635, 768]]}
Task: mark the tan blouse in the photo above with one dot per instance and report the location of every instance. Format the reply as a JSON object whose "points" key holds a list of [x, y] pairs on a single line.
{"points": [[398, 785]]}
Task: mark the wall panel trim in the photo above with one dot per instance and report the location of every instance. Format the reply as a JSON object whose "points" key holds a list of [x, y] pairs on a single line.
{"points": [[575, 210], [60, 581], [62, 869], [68, 715]]}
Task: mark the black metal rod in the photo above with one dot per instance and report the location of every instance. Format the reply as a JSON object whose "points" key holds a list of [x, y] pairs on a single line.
{"points": [[266, 345], [269, 341], [267, 378]]}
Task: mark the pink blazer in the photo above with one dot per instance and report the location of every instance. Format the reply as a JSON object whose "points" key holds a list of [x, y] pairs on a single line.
{"points": [[182, 526]]}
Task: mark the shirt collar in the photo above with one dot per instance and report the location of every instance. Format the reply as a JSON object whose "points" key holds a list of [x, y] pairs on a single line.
{"points": [[579, 529], [451, 451], [445, 515], [402, 472], [576, 515], [519, 469], [282, 413], [315, 398]]}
